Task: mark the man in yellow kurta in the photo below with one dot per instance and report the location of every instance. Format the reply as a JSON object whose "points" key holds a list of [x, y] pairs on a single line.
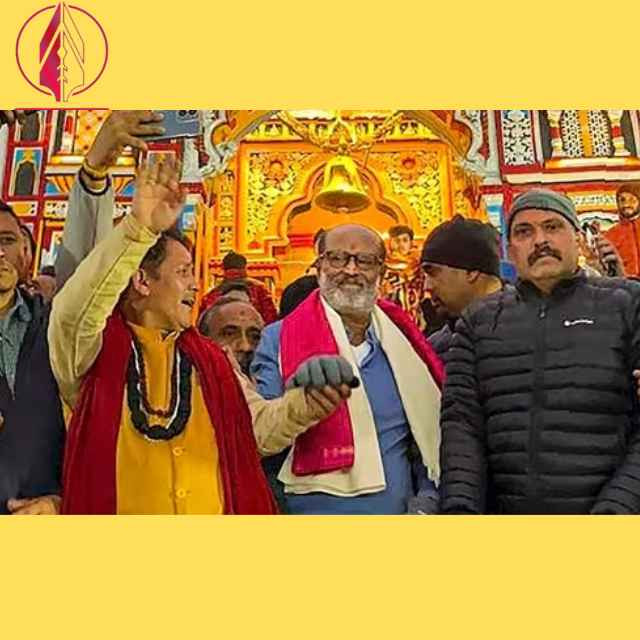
{"points": [[160, 423]]}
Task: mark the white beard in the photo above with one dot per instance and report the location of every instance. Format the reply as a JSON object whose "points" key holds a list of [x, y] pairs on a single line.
{"points": [[358, 302]]}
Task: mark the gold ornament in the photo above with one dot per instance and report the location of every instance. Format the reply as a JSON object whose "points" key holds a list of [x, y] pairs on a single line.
{"points": [[342, 190]]}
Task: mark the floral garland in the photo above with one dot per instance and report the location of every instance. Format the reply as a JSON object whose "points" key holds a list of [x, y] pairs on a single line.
{"points": [[179, 409]]}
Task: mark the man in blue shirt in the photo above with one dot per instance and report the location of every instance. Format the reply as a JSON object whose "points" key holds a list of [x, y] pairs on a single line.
{"points": [[350, 267], [31, 422]]}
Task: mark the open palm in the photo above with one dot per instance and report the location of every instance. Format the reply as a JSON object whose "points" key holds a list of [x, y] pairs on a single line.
{"points": [[158, 199]]}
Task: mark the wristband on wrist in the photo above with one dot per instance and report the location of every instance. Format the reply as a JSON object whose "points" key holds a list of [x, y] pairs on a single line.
{"points": [[93, 173], [100, 191]]}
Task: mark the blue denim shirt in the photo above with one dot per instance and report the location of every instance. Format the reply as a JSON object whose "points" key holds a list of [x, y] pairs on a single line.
{"points": [[13, 327], [403, 478]]}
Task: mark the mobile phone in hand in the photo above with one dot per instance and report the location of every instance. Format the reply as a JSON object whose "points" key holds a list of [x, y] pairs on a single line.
{"points": [[593, 232], [181, 123]]}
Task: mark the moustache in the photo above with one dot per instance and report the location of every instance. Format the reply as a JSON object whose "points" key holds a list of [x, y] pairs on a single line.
{"points": [[543, 252], [350, 280]]}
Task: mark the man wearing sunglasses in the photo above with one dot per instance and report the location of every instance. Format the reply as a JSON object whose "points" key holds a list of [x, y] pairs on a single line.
{"points": [[358, 460]]}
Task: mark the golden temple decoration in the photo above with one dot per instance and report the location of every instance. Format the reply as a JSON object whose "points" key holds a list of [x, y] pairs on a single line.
{"points": [[443, 125], [461, 203], [342, 190], [340, 135], [416, 176], [225, 210], [225, 239], [276, 130], [271, 176], [273, 130]]}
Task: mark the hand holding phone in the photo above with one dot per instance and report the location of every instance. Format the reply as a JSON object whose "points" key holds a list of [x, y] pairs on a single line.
{"points": [[180, 123], [606, 252]]}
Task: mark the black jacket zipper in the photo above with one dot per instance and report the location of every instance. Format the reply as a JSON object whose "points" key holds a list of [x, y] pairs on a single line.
{"points": [[539, 359]]}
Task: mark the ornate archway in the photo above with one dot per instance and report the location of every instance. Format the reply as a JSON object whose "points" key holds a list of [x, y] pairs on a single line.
{"points": [[296, 219], [262, 202], [224, 130]]}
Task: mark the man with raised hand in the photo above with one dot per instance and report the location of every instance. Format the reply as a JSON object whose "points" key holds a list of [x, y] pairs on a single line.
{"points": [[159, 423]]}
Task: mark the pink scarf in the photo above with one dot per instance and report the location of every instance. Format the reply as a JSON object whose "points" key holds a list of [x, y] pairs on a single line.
{"points": [[306, 333]]}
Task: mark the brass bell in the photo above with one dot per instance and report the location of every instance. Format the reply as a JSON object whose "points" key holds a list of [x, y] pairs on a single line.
{"points": [[342, 190]]}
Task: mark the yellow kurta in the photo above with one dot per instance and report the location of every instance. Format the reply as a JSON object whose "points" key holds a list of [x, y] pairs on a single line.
{"points": [[181, 475]]}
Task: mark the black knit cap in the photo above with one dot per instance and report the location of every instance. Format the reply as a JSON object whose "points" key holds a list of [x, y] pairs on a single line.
{"points": [[464, 244]]}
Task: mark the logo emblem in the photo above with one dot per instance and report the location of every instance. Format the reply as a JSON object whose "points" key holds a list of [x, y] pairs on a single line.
{"points": [[573, 323], [62, 51]]}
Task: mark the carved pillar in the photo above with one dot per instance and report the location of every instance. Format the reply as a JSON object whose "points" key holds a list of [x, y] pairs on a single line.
{"points": [[557, 149], [615, 116]]}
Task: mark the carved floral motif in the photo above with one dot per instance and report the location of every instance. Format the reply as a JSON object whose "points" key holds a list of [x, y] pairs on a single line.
{"points": [[517, 137], [271, 176], [417, 177]]}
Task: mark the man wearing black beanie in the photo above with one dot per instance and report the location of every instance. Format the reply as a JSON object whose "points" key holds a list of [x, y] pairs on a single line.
{"points": [[461, 261]]}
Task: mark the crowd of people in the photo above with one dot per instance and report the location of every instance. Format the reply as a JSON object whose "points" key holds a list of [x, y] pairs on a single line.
{"points": [[524, 401]]}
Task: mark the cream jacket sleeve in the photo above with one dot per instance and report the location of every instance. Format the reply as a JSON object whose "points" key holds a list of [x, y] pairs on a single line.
{"points": [[81, 309], [277, 422]]}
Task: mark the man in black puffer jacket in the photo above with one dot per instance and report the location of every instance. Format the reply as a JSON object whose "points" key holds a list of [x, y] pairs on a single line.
{"points": [[539, 412]]}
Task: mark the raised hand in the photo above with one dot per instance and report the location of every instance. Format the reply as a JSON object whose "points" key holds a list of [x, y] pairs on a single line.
{"points": [[119, 130], [158, 198], [609, 257], [10, 117]]}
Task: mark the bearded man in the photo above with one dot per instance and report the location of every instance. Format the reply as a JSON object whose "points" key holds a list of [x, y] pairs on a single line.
{"points": [[625, 235], [358, 460]]}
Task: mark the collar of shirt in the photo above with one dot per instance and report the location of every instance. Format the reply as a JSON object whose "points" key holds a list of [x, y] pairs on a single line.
{"points": [[365, 351], [19, 312]]}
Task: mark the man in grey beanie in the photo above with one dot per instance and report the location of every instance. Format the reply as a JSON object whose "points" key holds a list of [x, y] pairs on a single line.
{"points": [[539, 412]]}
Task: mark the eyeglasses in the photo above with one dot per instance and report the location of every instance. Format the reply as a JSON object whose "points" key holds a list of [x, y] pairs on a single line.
{"points": [[341, 259]]}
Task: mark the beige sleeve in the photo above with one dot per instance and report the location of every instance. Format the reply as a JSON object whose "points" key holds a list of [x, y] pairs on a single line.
{"points": [[277, 422], [81, 309]]}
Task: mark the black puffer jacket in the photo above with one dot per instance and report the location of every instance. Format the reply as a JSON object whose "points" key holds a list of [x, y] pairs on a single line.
{"points": [[540, 413], [440, 340]]}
